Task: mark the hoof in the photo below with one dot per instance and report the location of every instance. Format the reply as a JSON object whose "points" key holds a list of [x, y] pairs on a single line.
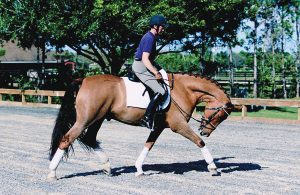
{"points": [[51, 177], [106, 168], [212, 166], [139, 174], [213, 170]]}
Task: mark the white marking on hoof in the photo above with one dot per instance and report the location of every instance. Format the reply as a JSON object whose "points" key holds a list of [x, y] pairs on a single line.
{"points": [[213, 170], [211, 166], [51, 176], [106, 168], [139, 174]]}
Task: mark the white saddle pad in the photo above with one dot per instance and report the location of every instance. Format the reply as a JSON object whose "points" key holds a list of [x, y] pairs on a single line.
{"points": [[137, 97]]}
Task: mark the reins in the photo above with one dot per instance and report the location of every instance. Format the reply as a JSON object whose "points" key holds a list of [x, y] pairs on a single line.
{"points": [[203, 121], [208, 120], [186, 115]]}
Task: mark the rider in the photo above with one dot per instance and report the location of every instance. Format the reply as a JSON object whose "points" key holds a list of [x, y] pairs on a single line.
{"points": [[146, 69]]}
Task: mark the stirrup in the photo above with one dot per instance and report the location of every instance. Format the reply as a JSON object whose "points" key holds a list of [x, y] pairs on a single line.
{"points": [[146, 123]]}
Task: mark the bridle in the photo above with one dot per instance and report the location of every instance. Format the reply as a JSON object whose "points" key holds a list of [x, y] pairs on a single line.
{"points": [[207, 121], [204, 122]]}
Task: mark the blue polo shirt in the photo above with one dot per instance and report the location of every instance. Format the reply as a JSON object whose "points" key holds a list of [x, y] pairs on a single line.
{"points": [[147, 44]]}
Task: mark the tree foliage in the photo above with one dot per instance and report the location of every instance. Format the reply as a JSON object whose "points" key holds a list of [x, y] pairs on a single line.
{"points": [[2, 52], [108, 32]]}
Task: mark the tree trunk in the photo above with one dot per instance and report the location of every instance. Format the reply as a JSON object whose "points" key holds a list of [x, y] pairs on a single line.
{"points": [[231, 75], [116, 67], [255, 60], [273, 71], [203, 49], [262, 69], [282, 57], [298, 57]]}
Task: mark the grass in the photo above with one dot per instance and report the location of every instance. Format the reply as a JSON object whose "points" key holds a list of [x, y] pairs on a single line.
{"points": [[272, 112], [269, 112]]}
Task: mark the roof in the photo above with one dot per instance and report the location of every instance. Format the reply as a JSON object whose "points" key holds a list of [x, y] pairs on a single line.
{"points": [[14, 53], [28, 62]]}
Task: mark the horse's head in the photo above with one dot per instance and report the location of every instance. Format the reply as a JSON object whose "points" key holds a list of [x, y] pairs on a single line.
{"points": [[213, 116]]}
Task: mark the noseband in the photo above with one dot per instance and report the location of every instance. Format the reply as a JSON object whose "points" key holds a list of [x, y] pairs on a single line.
{"points": [[207, 121]]}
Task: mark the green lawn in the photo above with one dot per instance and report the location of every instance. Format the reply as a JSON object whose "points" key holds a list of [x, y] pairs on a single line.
{"points": [[269, 112], [273, 112]]}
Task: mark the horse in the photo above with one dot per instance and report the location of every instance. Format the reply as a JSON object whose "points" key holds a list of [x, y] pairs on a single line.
{"points": [[86, 104]]}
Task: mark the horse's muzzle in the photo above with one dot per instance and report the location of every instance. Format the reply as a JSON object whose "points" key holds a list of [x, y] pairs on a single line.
{"points": [[202, 133]]}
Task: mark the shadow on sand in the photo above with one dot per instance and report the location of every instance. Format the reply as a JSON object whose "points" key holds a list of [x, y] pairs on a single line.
{"points": [[178, 168], [181, 168]]}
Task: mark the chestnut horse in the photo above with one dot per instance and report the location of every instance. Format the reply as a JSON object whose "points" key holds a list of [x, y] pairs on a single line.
{"points": [[104, 97]]}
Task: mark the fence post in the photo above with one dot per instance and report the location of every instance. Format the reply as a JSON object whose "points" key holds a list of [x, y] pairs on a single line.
{"points": [[49, 99], [244, 111], [23, 98]]}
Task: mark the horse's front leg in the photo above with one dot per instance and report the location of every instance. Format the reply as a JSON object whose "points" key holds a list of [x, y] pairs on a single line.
{"points": [[186, 131], [147, 147]]}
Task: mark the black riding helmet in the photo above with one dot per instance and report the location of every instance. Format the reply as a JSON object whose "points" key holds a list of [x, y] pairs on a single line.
{"points": [[158, 20]]}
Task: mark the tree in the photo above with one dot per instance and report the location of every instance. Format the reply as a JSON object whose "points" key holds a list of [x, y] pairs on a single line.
{"points": [[258, 13], [271, 27], [298, 53], [296, 18], [107, 32], [2, 52], [252, 37], [286, 32]]}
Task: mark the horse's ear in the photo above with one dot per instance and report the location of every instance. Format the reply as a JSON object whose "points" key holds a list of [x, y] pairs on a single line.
{"points": [[237, 107]]}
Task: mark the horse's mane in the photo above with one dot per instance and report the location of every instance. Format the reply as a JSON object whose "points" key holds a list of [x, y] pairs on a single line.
{"points": [[202, 77]]}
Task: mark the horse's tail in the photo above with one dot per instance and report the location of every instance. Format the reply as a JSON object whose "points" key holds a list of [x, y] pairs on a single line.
{"points": [[65, 119]]}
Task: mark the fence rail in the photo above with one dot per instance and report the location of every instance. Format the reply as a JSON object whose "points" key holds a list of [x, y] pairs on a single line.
{"points": [[236, 101], [24, 93], [265, 102]]}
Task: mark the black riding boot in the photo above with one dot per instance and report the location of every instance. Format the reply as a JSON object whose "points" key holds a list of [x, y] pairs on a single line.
{"points": [[148, 118]]}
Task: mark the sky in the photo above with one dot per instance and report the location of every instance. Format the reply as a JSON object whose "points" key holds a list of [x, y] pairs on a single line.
{"points": [[290, 45]]}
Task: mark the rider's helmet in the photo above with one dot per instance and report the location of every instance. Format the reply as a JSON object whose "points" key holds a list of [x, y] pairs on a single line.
{"points": [[158, 20]]}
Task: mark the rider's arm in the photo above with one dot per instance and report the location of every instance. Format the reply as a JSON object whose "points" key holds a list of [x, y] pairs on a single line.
{"points": [[148, 64]]}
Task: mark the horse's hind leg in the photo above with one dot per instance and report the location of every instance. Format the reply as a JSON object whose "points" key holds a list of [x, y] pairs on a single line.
{"points": [[90, 139], [104, 160], [66, 141]]}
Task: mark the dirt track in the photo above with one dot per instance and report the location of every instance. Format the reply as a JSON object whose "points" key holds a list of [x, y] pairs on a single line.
{"points": [[253, 157]]}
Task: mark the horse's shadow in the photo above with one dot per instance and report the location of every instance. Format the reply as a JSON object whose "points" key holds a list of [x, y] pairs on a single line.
{"points": [[178, 168], [181, 168]]}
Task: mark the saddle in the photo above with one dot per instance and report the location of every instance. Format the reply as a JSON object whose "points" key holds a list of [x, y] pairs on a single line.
{"points": [[138, 95]]}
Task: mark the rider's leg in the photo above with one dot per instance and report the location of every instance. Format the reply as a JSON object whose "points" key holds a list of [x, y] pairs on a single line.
{"points": [[148, 118], [149, 79]]}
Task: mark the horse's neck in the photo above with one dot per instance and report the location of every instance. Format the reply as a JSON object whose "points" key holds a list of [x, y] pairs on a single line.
{"points": [[204, 89]]}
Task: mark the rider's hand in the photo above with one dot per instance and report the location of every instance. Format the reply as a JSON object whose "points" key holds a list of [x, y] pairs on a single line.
{"points": [[158, 76]]}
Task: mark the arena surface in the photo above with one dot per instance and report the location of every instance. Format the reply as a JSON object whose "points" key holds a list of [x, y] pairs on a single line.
{"points": [[253, 157]]}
